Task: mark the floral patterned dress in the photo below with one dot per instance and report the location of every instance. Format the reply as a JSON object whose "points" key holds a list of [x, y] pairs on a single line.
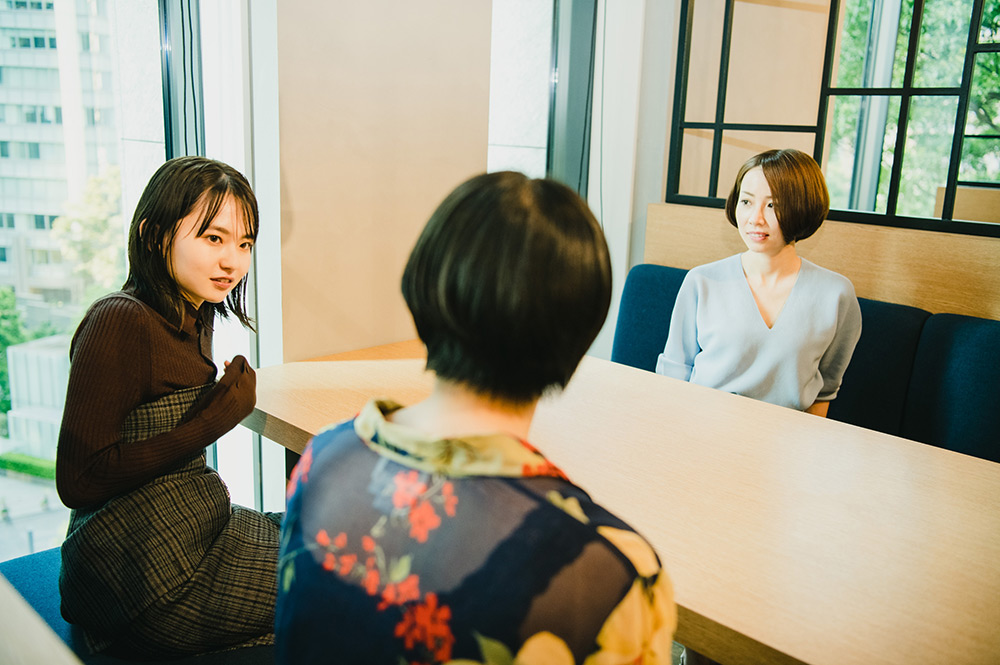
{"points": [[397, 548]]}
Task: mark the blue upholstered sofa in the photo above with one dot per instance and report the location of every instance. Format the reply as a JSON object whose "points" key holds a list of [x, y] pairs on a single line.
{"points": [[933, 378]]}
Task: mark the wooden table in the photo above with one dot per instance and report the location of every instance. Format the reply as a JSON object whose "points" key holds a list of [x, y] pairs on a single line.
{"points": [[789, 538]]}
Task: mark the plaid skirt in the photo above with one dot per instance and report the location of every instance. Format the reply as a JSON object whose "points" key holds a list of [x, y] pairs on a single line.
{"points": [[171, 568]]}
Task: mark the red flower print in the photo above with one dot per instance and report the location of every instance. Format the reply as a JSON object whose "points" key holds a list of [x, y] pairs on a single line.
{"points": [[426, 625], [347, 562], [388, 597], [450, 500], [408, 488], [340, 541], [399, 594], [423, 520], [323, 538], [370, 583], [545, 468], [330, 562], [409, 589], [368, 543]]}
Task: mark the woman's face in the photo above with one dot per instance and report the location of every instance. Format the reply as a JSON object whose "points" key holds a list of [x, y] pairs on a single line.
{"points": [[210, 265], [755, 216]]}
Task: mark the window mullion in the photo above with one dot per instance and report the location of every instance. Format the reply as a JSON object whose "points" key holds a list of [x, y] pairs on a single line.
{"points": [[951, 185], [904, 108], [720, 100], [680, 95], [825, 82]]}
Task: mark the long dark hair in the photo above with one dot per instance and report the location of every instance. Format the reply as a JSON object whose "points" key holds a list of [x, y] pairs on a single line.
{"points": [[175, 190]]}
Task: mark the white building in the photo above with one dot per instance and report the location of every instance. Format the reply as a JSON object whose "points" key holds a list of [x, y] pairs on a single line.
{"points": [[39, 371]]}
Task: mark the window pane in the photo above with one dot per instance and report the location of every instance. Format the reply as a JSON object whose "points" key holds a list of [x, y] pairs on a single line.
{"points": [[989, 29], [973, 204], [852, 42], [984, 96], [770, 85], [929, 134], [63, 186], [738, 147], [706, 50], [944, 34], [860, 144], [871, 48], [696, 162], [520, 78], [980, 159]]}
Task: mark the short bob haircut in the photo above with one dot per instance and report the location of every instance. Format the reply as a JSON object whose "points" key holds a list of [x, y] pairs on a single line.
{"points": [[798, 190], [178, 187], [508, 285]]}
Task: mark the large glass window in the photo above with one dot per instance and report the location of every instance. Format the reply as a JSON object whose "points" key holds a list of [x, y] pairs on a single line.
{"points": [[896, 99], [75, 158]]}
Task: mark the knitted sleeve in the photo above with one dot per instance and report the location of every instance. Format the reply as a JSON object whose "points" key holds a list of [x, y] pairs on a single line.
{"points": [[109, 376], [677, 359]]}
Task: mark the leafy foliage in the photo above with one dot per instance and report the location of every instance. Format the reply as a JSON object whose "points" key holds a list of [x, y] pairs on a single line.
{"points": [[91, 235], [12, 332], [943, 37]]}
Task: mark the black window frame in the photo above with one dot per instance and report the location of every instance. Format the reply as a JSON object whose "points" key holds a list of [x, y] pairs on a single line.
{"points": [[905, 92]]}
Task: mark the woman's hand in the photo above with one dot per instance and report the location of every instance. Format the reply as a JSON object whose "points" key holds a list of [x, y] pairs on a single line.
{"points": [[819, 409], [240, 382]]}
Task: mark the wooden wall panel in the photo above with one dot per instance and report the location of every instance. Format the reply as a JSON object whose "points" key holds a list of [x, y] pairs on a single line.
{"points": [[939, 272]]}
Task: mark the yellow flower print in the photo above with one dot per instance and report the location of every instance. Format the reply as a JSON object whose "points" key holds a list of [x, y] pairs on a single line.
{"points": [[544, 648], [569, 505]]}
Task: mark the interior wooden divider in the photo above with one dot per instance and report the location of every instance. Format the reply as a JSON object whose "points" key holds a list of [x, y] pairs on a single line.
{"points": [[938, 272]]}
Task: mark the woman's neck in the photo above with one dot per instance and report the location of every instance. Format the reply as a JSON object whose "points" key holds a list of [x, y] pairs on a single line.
{"points": [[452, 411], [771, 267]]}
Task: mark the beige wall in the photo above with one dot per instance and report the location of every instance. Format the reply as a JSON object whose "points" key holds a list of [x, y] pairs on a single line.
{"points": [[383, 110]]}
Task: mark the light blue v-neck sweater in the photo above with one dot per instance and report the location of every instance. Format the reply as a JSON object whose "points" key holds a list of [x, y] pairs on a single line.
{"points": [[718, 339]]}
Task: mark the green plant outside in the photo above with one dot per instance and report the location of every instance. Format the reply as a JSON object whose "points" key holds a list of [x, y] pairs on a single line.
{"points": [[28, 465]]}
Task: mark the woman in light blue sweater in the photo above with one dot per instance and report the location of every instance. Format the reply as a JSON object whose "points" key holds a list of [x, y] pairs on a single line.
{"points": [[767, 323]]}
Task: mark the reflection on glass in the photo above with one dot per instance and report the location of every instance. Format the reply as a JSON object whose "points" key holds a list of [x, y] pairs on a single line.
{"points": [[989, 28], [871, 48], [944, 30], [929, 134], [520, 76], [696, 162], [980, 159], [706, 49], [984, 96], [740, 145], [62, 234], [981, 144], [860, 151]]}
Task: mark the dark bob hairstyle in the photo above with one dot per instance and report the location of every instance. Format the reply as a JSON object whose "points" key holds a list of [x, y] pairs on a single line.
{"points": [[175, 190], [798, 189], [508, 284]]}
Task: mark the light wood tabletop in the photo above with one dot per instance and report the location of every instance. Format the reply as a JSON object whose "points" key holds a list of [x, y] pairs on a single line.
{"points": [[788, 537]]}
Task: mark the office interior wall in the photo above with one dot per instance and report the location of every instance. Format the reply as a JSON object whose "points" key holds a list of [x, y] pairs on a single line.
{"points": [[384, 109]]}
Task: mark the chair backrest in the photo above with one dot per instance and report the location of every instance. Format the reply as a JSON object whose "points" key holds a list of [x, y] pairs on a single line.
{"points": [[954, 396], [873, 393], [644, 314]]}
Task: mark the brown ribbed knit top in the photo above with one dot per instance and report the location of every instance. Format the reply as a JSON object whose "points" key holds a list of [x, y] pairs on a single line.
{"points": [[125, 354]]}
